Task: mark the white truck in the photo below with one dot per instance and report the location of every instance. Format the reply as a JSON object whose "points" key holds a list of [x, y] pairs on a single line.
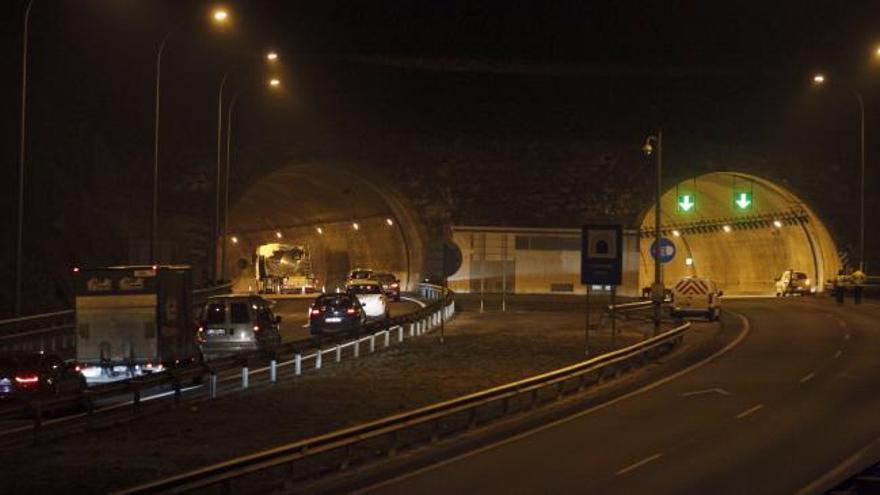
{"points": [[695, 296]]}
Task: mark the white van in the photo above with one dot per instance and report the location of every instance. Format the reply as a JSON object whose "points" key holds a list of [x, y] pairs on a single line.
{"points": [[694, 296]]}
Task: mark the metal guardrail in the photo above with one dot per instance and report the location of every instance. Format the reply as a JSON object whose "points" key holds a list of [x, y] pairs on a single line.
{"points": [[384, 437], [301, 357]]}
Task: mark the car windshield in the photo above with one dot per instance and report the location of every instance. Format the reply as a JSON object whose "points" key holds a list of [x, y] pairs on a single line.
{"points": [[365, 289], [239, 312], [216, 313], [360, 274], [340, 301], [800, 276]]}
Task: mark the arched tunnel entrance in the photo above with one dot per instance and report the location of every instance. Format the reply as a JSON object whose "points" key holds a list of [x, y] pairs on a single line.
{"points": [[341, 219], [741, 231]]}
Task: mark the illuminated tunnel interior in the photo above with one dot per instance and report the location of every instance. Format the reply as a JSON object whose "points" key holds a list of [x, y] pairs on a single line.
{"points": [[741, 231], [342, 220]]}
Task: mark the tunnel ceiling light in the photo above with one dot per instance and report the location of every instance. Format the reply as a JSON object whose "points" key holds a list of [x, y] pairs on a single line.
{"points": [[272, 56], [389, 221], [819, 79], [355, 226], [220, 15], [676, 233], [274, 82], [319, 230], [777, 224], [278, 235], [727, 228], [234, 240], [689, 261]]}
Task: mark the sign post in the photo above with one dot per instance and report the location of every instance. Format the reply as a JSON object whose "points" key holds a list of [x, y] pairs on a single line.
{"points": [[601, 264]]}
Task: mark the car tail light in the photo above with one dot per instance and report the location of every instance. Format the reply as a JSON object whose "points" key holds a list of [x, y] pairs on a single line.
{"points": [[351, 311], [256, 328], [27, 379], [395, 285]]}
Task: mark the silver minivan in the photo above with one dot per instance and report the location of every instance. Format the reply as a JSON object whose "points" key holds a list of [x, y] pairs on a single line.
{"points": [[237, 323]]}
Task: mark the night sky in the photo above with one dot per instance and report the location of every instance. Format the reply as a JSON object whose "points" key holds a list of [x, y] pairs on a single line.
{"points": [[716, 75]]}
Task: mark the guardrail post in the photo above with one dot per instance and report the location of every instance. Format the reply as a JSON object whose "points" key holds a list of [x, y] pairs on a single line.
{"points": [[338, 353], [400, 333], [297, 364], [357, 348], [212, 385], [372, 343], [273, 370], [135, 399], [175, 384], [244, 377], [412, 329], [318, 359], [387, 337]]}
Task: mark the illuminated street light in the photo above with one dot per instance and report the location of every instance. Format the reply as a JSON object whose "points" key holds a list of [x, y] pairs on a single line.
{"points": [[220, 15], [389, 221], [319, 230], [272, 57], [355, 226], [278, 235], [726, 228], [676, 233], [657, 287], [274, 82], [234, 240], [820, 79], [689, 261], [777, 224], [877, 52]]}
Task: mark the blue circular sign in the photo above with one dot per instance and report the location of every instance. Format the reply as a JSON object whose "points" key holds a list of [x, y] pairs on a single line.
{"points": [[666, 251]]}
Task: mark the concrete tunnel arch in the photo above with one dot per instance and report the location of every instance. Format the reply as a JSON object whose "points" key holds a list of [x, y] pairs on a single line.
{"points": [[297, 199], [743, 251]]}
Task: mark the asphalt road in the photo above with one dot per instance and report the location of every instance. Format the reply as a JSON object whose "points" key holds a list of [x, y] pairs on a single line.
{"points": [[793, 399]]}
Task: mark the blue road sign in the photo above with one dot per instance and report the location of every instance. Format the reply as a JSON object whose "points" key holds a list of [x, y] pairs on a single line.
{"points": [[667, 250], [601, 254]]}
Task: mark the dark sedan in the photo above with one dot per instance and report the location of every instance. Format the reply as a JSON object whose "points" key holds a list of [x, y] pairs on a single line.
{"points": [[334, 313], [26, 374]]}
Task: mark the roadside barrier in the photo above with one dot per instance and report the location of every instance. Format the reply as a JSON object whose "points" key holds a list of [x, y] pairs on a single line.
{"points": [[387, 436], [300, 355]]}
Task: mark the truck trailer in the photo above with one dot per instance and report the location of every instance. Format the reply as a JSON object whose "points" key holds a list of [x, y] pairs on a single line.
{"points": [[132, 320]]}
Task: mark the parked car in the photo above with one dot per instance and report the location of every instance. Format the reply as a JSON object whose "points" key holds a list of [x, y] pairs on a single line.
{"points": [[792, 282], [390, 284], [27, 374], [334, 313], [371, 297], [231, 324]]}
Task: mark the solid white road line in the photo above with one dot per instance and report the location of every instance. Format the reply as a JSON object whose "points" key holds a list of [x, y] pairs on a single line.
{"points": [[809, 376], [719, 391], [746, 328], [749, 411], [864, 456], [638, 464], [410, 299]]}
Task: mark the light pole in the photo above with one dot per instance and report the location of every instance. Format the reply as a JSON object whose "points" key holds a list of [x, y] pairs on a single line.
{"points": [[274, 83], [657, 289], [21, 147], [819, 79], [154, 218], [216, 230]]}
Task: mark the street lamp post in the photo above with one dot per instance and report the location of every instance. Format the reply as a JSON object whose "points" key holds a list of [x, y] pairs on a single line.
{"points": [[657, 289], [21, 148], [819, 79], [215, 233], [154, 217]]}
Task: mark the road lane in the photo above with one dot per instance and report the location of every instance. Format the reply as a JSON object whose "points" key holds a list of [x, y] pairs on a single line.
{"points": [[294, 315], [773, 433]]}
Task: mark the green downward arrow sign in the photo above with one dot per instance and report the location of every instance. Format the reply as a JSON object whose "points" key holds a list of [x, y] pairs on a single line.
{"points": [[743, 201], [686, 203]]}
